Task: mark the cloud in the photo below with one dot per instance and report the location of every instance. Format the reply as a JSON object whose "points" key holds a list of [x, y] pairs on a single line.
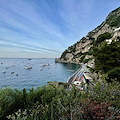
{"points": [[21, 23], [45, 26], [21, 46]]}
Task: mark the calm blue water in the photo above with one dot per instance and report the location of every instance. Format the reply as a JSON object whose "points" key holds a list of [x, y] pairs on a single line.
{"points": [[38, 76]]}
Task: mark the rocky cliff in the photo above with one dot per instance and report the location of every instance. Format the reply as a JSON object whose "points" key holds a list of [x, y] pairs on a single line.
{"points": [[81, 52]]}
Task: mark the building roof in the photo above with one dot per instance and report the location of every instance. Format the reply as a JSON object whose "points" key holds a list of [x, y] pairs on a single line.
{"points": [[117, 29], [77, 83], [109, 41], [85, 69], [87, 76]]}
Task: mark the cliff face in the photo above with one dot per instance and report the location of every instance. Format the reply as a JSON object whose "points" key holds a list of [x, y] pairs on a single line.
{"points": [[81, 52]]}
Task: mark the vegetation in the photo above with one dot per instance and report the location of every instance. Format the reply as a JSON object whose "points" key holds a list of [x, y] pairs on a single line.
{"points": [[55, 101], [72, 48], [82, 58], [114, 19], [63, 54], [51, 102], [113, 74], [107, 56], [86, 60], [83, 40], [103, 37], [116, 10]]}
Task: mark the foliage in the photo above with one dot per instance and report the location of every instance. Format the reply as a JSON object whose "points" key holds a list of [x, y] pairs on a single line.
{"points": [[116, 10], [10, 100], [56, 103], [63, 54], [78, 54], [93, 110], [106, 56], [86, 60], [82, 58], [115, 22], [106, 92], [91, 69], [83, 40], [113, 74], [102, 37], [114, 19], [72, 48]]}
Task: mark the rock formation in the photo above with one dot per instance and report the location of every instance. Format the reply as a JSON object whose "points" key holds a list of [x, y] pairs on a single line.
{"points": [[81, 52]]}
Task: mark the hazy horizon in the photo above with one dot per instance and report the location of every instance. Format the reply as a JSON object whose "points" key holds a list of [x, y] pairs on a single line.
{"points": [[45, 28]]}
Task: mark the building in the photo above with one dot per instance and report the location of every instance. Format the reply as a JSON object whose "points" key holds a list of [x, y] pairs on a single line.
{"points": [[116, 33]]}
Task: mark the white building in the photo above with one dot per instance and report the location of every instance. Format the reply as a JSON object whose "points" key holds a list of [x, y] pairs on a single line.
{"points": [[116, 32], [109, 41]]}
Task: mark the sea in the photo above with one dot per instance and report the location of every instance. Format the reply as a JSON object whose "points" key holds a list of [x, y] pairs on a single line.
{"points": [[19, 73]]}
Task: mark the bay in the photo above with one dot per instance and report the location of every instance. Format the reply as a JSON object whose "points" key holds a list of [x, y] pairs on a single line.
{"points": [[43, 70]]}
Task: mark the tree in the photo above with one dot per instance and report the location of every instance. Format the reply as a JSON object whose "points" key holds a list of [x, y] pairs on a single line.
{"points": [[102, 37], [114, 74], [107, 56]]}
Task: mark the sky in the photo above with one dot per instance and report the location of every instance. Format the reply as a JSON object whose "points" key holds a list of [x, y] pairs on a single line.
{"points": [[45, 28]]}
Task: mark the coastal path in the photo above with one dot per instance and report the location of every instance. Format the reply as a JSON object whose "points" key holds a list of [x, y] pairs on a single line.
{"points": [[73, 77]]}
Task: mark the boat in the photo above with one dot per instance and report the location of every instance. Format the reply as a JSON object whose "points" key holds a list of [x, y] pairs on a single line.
{"points": [[45, 65], [27, 68], [12, 72], [4, 72], [7, 67], [29, 59]]}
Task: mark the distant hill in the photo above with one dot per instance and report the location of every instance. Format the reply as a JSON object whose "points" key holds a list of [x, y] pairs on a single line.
{"points": [[82, 52]]}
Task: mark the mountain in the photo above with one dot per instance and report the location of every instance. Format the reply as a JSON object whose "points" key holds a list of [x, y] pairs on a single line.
{"points": [[82, 52]]}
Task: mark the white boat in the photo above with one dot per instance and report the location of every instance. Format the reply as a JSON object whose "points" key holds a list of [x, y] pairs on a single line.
{"points": [[4, 72], [43, 65], [27, 68]]}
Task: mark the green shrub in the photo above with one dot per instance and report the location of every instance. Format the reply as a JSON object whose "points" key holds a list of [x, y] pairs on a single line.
{"points": [[103, 37], [114, 19], [114, 74], [54, 103], [83, 40], [10, 101], [107, 56], [86, 60], [63, 54], [82, 58]]}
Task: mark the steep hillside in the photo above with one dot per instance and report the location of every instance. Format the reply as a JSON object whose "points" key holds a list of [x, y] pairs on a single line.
{"points": [[81, 52]]}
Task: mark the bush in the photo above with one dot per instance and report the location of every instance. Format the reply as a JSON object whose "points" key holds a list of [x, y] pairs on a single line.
{"points": [[107, 56], [10, 101], [82, 58], [93, 110], [114, 19], [103, 37], [56, 103], [114, 74], [86, 60]]}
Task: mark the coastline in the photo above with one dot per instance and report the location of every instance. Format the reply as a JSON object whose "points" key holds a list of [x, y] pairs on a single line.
{"points": [[73, 78]]}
